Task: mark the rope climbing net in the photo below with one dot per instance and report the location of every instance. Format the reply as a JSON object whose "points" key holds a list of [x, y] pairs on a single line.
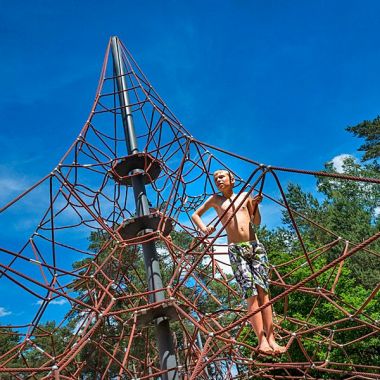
{"points": [[74, 260]]}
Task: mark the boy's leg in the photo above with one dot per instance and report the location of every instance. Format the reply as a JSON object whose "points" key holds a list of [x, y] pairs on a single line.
{"points": [[257, 324], [244, 276], [267, 317]]}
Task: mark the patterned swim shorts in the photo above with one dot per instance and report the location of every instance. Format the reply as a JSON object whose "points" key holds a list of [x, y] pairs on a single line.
{"points": [[249, 262]]}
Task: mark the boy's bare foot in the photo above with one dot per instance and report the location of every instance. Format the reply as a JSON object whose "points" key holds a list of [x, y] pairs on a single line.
{"points": [[265, 348], [277, 349]]}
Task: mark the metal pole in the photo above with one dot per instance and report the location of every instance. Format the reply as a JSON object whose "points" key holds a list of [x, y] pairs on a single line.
{"points": [[152, 267]]}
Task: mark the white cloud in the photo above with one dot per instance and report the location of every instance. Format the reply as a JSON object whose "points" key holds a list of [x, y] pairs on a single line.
{"points": [[53, 302], [13, 184], [4, 312], [338, 161], [10, 186]]}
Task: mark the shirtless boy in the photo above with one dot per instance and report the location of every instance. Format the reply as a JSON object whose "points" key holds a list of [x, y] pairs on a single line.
{"points": [[248, 258]]}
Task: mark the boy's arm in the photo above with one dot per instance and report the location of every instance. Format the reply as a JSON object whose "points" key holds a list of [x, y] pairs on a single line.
{"points": [[196, 217], [254, 208]]}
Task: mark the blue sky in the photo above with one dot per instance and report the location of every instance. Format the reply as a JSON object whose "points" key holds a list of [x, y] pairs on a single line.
{"points": [[276, 81]]}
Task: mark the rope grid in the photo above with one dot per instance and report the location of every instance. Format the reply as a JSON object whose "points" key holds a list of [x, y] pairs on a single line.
{"points": [[89, 298]]}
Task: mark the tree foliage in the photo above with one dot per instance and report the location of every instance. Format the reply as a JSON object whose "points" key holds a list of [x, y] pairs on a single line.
{"points": [[370, 131], [349, 209]]}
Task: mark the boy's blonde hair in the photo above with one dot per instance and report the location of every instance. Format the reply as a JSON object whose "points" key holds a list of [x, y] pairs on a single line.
{"points": [[224, 171]]}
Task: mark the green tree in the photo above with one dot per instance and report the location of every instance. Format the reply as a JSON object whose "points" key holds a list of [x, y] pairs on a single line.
{"points": [[9, 338], [48, 339], [349, 209], [124, 265], [370, 131]]}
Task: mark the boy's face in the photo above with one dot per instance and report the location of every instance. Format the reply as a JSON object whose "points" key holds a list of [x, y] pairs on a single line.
{"points": [[223, 180]]}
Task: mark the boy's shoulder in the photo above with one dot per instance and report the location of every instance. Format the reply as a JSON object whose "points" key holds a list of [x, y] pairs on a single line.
{"points": [[244, 194], [216, 199]]}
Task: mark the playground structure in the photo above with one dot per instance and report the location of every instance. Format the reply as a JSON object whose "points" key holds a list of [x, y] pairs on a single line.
{"points": [[145, 300]]}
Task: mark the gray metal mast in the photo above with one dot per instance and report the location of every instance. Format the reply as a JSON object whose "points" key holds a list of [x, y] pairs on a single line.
{"points": [[152, 267]]}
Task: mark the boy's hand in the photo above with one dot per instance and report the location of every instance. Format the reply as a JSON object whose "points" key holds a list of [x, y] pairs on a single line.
{"points": [[208, 230], [258, 198]]}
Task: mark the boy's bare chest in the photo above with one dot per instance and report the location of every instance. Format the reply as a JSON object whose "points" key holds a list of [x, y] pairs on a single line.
{"points": [[231, 206]]}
